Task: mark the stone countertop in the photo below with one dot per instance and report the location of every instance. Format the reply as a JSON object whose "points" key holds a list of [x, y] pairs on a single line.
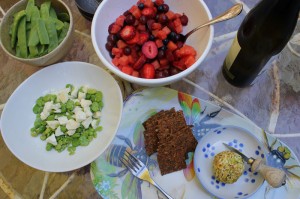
{"points": [[272, 103]]}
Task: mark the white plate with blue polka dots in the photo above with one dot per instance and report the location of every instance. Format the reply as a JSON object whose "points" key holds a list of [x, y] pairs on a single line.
{"points": [[212, 144]]}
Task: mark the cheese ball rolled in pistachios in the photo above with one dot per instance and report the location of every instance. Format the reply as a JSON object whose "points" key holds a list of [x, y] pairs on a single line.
{"points": [[228, 166]]}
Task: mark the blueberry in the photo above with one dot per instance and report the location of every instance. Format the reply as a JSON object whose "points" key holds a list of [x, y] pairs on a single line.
{"points": [[165, 41], [152, 38], [163, 48], [160, 8], [141, 6]]}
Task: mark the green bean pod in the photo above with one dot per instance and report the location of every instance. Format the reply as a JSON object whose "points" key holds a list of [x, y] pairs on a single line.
{"points": [[51, 30], [42, 32], [18, 16], [22, 40]]}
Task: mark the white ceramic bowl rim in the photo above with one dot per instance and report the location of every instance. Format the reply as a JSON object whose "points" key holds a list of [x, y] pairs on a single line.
{"points": [[150, 81]]}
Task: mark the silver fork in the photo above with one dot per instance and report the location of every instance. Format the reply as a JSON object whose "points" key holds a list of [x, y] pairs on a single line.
{"points": [[138, 169]]}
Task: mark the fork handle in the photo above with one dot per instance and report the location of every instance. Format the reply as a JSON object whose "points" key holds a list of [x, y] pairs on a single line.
{"points": [[158, 187]]}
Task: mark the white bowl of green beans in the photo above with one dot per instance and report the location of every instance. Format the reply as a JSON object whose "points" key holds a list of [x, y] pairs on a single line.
{"points": [[37, 32]]}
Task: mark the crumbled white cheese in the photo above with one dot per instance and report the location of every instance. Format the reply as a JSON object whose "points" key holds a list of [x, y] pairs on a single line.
{"points": [[63, 120], [72, 124], [58, 132], [80, 116], [71, 132], [76, 109], [52, 140], [97, 114], [81, 95], [85, 103], [86, 123], [88, 111], [63, 96], [85, 88], [74, 92], [95, 123], [52, 124], [44, 115]]}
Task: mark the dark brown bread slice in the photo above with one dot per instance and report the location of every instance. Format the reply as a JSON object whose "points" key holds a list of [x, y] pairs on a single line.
{"points": [[158, 116], [183, 135], [150, 133], [173, 124], [171, 157]]}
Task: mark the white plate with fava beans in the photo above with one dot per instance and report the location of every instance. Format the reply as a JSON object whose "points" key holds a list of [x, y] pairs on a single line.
{"points": [[62, 117]]}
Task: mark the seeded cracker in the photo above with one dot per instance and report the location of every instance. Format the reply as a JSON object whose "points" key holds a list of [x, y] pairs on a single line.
{"points": [[150, 133], [169, 135]]}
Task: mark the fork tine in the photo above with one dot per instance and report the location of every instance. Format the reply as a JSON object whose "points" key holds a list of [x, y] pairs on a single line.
{"points": [[137, 160], [131, 161], [133, 158], [127, 164]]}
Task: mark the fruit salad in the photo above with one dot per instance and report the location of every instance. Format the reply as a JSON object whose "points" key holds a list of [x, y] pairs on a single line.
{"points": [[146, 41]]}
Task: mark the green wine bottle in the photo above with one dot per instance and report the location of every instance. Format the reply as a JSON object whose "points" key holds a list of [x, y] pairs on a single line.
{"points": [[263, 33]]}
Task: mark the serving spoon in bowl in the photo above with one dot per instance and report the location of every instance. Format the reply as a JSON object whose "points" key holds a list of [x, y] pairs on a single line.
{"points": [[228, 14]]}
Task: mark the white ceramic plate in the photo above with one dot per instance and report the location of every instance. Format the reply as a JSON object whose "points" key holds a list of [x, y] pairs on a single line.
{"points": [[212, 144], [18, 118]]}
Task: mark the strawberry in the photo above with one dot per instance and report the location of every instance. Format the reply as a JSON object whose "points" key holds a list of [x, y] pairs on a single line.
{"points": [[148, 71], [143, 38], [114, 28], [177, 25], [115, 61], [148, 12], [159, 2], [161, 35], [171, 46], [166, 30], [170, 15], [120, 20], [155, 64], [140, 62], [135, 11], [149, 49], [124, 61], [117, 52], [121, 44], [156, 26], [135, 39], [127, 33], [127, 69], [159, 43], [189, 60], [135, 73]]}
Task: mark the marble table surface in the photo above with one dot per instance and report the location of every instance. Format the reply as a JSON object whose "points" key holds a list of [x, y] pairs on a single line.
{"points": [[272, 103]]}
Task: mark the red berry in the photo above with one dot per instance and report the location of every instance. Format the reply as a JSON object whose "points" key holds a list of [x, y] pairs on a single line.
{"points": [[149, 49], [140, 62], [127, 69], [184, 20], [148, 71], [127, 33], [130, 19], [114, 28], [148, 12]]}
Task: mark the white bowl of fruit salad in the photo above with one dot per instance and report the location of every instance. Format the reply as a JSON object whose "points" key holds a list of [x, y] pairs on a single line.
{"points": [[141, 40]]}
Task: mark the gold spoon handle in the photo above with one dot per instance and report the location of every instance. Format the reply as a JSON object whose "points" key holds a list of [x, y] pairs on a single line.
{"points": [[228, 14], [275, 177]]}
